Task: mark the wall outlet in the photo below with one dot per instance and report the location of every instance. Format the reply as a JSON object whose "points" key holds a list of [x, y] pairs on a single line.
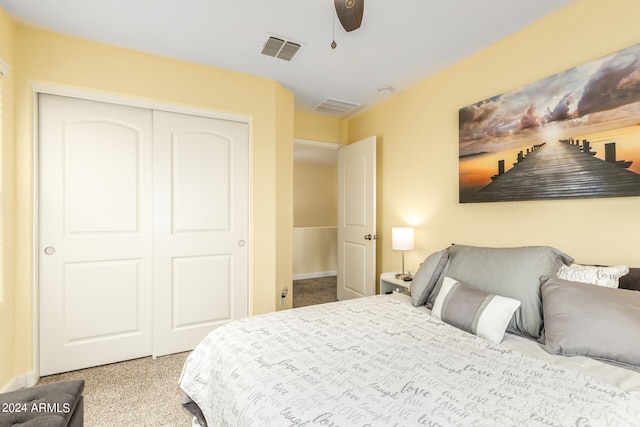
{"points": [[283, 295]]}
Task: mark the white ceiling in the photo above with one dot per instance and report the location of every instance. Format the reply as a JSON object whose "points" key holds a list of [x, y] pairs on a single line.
{"points": [[400, 42]]}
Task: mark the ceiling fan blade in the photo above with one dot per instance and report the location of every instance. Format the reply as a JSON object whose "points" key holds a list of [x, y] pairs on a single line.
{"points": [[350, 13]]}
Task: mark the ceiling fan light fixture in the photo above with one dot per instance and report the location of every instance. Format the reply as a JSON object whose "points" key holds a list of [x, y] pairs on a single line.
{"points": [[350, 13]]}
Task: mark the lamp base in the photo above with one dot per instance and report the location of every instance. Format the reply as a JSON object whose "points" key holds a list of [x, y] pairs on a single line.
{"points": [[404, 276]]}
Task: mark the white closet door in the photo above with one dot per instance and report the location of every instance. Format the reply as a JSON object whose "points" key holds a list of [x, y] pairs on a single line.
{"points": [[95, 233], [200, 227], [143, 234]]}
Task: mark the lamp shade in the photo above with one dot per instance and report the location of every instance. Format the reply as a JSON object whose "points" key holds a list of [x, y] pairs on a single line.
{"points": [[402, 238]]}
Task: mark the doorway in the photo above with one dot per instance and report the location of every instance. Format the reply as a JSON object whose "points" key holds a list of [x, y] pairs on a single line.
{"points": [[315, 216], [353, 167]]}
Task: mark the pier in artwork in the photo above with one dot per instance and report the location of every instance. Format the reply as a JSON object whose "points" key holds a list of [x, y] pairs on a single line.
{"points": [[562, 169]]}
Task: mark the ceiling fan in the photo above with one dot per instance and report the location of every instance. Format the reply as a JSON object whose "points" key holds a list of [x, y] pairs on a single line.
{"points": [[349, 13]]}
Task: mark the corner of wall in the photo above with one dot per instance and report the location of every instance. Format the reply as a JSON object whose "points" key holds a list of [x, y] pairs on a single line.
{"points": [[8, 367], [284, 196]]}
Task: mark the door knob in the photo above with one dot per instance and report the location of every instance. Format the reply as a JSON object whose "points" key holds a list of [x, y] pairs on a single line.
{"points": [[49, 250], [368, 237]]}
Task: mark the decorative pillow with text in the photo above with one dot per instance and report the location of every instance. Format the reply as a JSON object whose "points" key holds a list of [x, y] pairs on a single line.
{"points": [[592, 274]]}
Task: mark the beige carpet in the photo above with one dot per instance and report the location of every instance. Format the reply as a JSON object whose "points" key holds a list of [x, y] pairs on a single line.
{"points": [[141, 392], [314, 291]]}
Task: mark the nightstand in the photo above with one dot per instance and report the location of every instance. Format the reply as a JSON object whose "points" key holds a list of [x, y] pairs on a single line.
{"points": [[389, 284]]}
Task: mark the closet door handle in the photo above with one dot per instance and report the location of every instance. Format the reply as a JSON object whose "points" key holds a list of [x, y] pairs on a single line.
{"points": [[49, 250]]}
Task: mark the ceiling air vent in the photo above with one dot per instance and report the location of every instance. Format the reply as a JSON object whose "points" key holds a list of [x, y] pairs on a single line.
{"points": [[278, 47], [335, 107]]}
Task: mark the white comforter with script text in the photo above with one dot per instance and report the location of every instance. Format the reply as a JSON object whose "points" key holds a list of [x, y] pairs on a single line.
{"points": [[380, 362]]}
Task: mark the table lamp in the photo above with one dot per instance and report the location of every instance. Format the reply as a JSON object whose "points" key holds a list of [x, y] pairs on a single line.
{"points": [[402, 240]]}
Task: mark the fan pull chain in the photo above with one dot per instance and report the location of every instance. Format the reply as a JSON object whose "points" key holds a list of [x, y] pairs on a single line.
{"points": [[333, 27]]}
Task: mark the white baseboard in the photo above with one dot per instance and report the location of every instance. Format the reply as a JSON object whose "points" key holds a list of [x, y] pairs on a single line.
{"points": [[31, 378], [10, 386], [21, 381], [314, 275]]}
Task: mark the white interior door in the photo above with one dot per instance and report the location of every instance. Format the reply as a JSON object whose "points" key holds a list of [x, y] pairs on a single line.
{"points": [[95, 233], [357, 219], [200, 227]]}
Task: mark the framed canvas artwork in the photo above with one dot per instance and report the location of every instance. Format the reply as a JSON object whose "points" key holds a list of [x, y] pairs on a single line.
{"points": [[575, 134]]}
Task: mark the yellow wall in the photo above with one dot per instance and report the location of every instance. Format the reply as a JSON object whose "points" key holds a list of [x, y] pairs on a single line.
{"points": [[7, 306], [315, 215], [315, 252], [418, 148], [48, 58], [315, 195], [317, 127]]}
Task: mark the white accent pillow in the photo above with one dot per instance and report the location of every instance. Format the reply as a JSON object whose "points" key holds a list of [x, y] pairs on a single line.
{"points": [[594, 275], [473, 310]]}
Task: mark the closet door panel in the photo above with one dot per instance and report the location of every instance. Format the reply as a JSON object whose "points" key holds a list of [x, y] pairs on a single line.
{"points": [[200, 227], [101, 173], [201, 182], [192, 276], [95, 223]]}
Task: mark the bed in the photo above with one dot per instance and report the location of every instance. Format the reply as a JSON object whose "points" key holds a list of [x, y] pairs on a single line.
{"points": [[414, 360]]}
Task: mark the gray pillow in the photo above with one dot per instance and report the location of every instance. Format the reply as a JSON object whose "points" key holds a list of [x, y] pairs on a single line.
{"points": [[511, 272], [472, 310], [427, 275], [594, 321]]}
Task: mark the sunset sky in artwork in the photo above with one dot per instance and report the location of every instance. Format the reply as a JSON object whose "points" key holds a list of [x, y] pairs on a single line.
{"points": [[594, 99], [554, 106]]}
